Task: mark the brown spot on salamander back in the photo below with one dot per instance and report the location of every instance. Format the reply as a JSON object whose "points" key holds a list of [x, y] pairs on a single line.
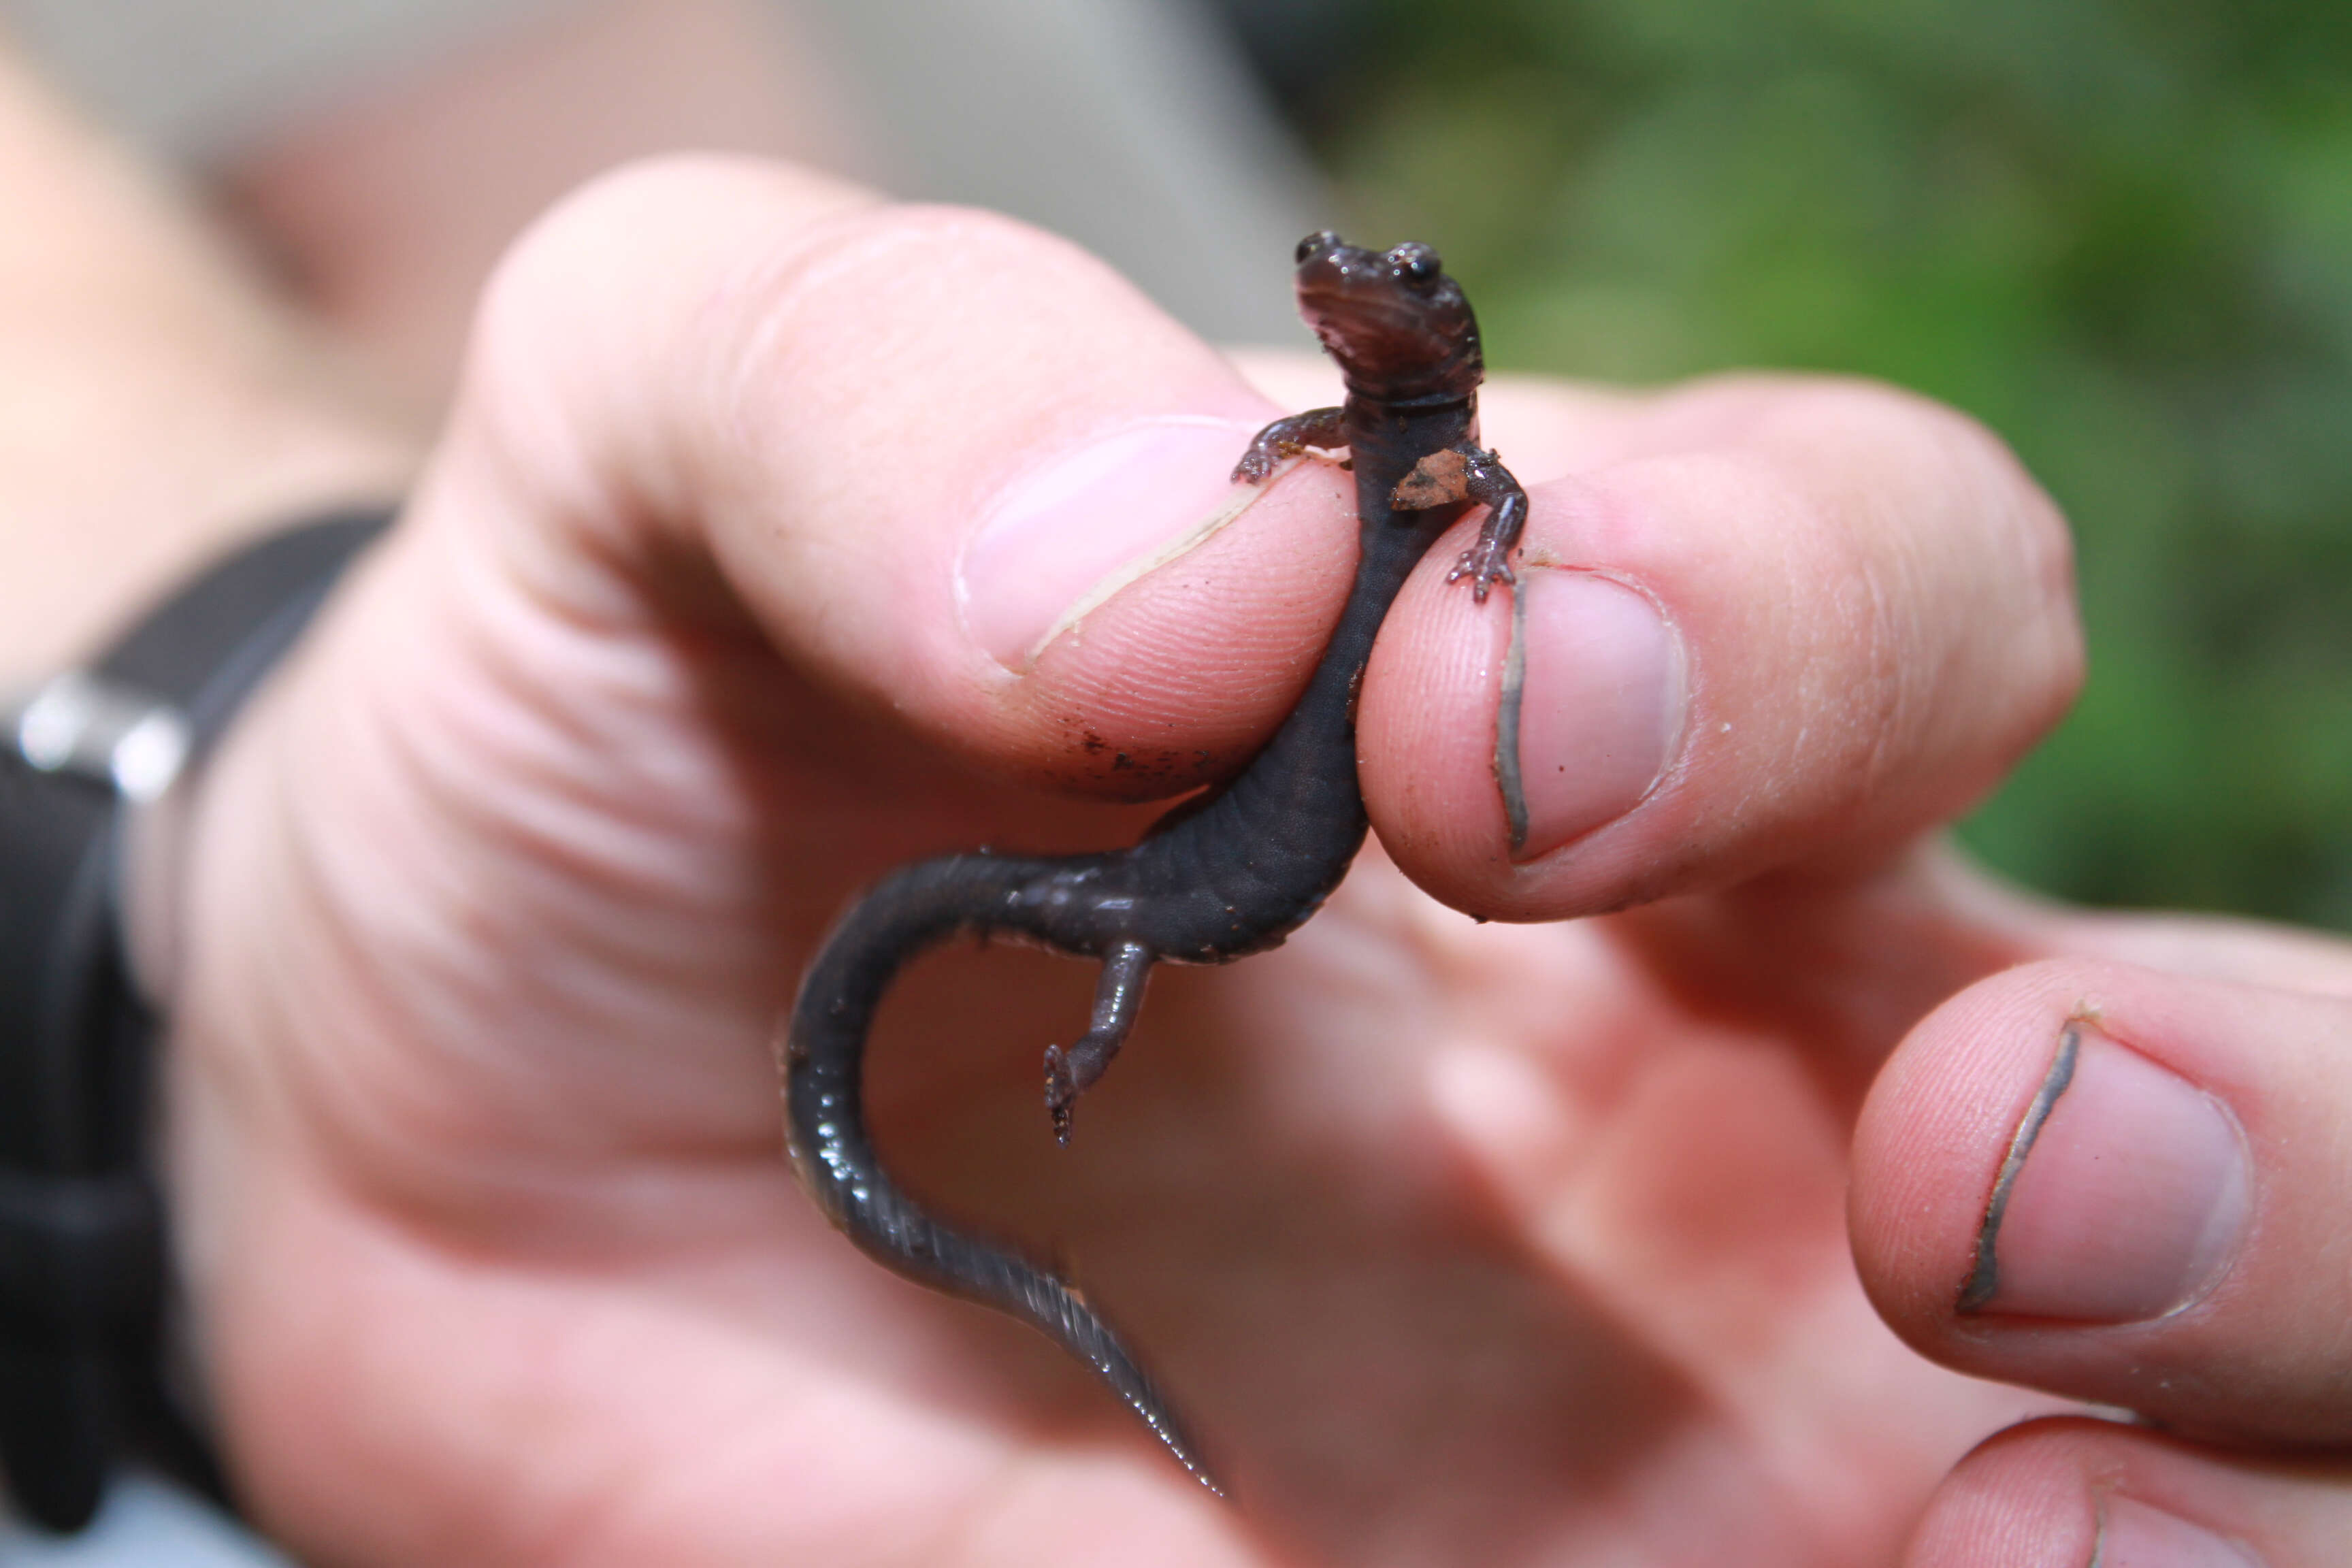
{"points": [[1439, 479]]}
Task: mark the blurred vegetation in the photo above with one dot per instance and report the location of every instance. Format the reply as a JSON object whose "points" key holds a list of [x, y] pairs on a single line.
{"points": [[2119, 234]]}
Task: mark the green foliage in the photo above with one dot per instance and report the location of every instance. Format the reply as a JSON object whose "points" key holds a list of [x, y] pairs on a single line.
{"points": [[2120, 234]]}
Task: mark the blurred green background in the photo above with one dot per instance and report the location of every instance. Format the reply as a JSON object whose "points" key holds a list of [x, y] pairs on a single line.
{"points": [[2119, 234]]}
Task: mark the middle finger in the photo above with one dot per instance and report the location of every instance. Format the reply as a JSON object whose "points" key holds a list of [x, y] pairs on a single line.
{"points": [[2125, 1185]]}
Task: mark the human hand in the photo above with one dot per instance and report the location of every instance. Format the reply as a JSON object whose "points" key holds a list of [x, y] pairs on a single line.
{"points": [[1458, 1243]]}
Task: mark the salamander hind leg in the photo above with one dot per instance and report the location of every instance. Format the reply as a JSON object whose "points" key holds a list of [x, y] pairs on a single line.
{"points": [[1118, 997]]}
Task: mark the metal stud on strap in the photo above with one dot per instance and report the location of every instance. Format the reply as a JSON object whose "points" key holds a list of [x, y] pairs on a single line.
{"points": [[107, 731]]}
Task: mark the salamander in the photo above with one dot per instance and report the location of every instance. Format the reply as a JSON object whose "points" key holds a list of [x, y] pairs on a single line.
{"points": [[1224, 874]]}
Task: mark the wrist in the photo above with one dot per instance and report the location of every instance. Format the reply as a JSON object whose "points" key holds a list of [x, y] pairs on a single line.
{"points": [[123, 532], [83, 1281]]}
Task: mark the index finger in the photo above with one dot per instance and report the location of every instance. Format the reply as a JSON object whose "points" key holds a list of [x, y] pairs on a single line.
{"points": [[1761, 622]]}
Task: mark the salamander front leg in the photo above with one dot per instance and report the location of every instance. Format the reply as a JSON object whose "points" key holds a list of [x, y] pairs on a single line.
{"points": [[1470, 472], [1285, 439], [1118, 996], [1488, 561]]}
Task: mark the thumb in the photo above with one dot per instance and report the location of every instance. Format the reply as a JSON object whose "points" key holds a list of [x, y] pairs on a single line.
{"points": [[914, 443]]}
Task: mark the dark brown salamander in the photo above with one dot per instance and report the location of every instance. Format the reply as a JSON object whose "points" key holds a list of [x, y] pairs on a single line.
{"points": [[1218, 878]]}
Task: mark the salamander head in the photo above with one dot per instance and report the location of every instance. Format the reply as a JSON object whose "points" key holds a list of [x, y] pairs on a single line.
{"points": [[1397, 324]]}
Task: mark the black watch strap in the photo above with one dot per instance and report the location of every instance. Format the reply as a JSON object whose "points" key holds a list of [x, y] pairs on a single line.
{"points": [[81, 1234]]}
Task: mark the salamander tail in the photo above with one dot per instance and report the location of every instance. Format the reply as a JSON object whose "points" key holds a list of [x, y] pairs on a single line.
{"points": [[1009, 1283], [823, 1056]]}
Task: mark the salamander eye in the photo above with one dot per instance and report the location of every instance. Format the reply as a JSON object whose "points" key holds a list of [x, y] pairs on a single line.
{"points": [[1417, 265], [1320, 241]]}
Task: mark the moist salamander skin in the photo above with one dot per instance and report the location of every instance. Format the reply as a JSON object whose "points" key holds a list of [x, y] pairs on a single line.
{"points": [[1222, 877]]}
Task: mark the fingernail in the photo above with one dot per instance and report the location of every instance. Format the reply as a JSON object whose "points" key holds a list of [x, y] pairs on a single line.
{"points": [[2134, 1535], [1593, 698], [2123, 1196], [1067, 533]]}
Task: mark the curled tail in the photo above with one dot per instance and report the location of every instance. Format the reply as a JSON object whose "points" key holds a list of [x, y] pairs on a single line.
{"points": [[914, 909]]}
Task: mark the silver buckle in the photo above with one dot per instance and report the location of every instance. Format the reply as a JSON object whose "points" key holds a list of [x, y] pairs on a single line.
{"points": [[111, 733]]}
